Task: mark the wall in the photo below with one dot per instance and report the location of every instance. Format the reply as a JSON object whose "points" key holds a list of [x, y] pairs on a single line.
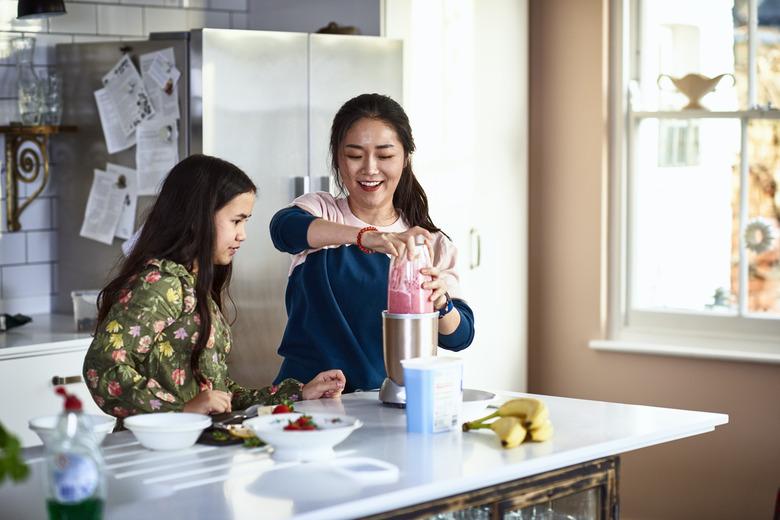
{"points": [[28, 259], [730, 473]]}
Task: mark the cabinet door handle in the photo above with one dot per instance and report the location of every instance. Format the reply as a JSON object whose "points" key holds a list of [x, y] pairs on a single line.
{"points": [[300, 186], [324, 183], [476, 248], [69, 380]]}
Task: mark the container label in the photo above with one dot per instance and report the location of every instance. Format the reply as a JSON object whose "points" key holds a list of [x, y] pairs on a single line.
{"points": [[447, 397], [74, 477]]}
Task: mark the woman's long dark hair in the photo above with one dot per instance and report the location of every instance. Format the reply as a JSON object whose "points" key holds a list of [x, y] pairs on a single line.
{"points": [[180, 227], [409, 197]]}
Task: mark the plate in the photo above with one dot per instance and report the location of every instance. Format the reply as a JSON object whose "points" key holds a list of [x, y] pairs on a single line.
{"points": [[309, 445], [475, 404]]}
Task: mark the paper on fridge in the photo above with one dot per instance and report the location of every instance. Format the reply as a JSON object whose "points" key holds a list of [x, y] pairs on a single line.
{"points": [[104, 207], [156, 67], [126, 90], [127, 180], [164, 73], [116, 140], [157, 151]]}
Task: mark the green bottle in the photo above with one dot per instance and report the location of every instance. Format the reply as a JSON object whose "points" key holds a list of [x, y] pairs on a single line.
{"points": [[75, 484]]}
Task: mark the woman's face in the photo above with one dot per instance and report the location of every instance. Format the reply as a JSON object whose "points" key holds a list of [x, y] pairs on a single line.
{"points": [[230, 224], [371, 159]]}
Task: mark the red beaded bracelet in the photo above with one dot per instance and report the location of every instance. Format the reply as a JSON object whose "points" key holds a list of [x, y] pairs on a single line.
{"points": [[360, 235]]}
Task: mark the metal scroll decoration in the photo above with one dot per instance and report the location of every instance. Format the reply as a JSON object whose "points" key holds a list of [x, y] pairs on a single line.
{"points": [[30, 161]]}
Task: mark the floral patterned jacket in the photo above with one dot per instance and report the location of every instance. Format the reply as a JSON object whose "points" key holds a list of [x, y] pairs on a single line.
{"points": [[139, 360]]}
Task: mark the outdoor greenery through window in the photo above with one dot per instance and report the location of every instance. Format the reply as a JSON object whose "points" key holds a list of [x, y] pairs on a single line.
{"points": [[702, 164]]}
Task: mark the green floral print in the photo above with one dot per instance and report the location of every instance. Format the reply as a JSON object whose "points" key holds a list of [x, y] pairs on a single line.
{"points": [[139, 359]]}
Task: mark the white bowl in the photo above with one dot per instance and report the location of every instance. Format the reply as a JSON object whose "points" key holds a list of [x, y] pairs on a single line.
{"points": [[309, 445], [167, 431], [475, 404], [46, 426]]}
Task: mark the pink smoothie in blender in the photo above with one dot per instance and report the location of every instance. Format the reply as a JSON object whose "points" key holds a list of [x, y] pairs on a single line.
{"points": [[405, 294]]}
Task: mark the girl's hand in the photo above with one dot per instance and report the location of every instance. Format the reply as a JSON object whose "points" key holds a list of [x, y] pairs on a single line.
{"points": [[210, 401], [325, 384], [395, 244], [437, 285]]}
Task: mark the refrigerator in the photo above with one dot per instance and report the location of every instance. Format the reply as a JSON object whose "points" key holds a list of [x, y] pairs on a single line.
{"points": [[263, 100]]}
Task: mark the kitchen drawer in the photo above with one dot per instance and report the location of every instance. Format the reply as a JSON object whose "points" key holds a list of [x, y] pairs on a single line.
{"points": [[27, 390]]}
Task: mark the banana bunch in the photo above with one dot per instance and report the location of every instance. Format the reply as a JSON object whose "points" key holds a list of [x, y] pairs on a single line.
{"points": [[518, 420]]}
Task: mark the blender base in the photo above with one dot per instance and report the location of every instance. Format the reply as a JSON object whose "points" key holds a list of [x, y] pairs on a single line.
{"points": [[392, 394]]}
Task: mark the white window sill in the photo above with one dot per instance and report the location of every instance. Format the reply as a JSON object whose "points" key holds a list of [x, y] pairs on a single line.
{"points": [[760, 354]]}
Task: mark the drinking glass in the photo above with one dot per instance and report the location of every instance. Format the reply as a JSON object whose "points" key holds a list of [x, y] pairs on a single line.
{"points": [[51, 98]]}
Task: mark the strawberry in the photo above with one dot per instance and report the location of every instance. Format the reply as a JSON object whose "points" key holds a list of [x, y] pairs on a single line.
{"points": [[304, 422], [282, 408]]}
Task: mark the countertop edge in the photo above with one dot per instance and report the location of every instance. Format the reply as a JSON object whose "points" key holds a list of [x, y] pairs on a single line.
{"points": [[439, 490], [44, 349]]}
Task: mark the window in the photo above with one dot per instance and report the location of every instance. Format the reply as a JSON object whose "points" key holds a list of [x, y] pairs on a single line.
{"points": [[695, 182]]}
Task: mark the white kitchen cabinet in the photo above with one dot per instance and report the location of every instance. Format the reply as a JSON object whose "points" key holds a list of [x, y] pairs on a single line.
{"points": [[30, 357], [467, 101]]}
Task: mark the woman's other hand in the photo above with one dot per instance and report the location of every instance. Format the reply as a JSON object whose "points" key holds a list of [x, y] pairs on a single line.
{"points": [[325, 384], [209, 402], [395, 244], [437, 285]]}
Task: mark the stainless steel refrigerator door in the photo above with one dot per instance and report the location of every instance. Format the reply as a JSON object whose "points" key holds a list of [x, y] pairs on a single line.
{"points": [[251, 109], [340, 68], [83, 263]]}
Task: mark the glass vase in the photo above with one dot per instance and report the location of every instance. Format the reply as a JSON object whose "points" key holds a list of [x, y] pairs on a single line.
{"points": [[27, 80]]}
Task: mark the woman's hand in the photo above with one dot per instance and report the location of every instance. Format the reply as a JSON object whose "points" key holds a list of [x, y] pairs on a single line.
{"points": [[395, 244], [437, 285], [325, 384], [209, 401]]}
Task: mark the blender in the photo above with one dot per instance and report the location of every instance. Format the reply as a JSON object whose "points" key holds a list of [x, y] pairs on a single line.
{"points": [[410, 327]]}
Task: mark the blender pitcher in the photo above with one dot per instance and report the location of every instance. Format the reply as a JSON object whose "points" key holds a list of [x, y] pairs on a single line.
{"points": [[410, 327]]}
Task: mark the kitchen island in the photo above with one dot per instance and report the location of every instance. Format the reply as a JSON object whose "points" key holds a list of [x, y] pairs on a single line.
{"points": [[440, 472]]}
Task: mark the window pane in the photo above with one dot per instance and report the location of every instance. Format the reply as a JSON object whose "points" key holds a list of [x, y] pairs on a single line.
{"points": [[764, 218], [681, 37], [682, 247], [768, 53]]}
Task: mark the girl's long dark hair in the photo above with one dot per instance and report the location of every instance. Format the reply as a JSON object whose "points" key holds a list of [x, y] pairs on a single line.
{"points": [[409, 197], [180, 227]]}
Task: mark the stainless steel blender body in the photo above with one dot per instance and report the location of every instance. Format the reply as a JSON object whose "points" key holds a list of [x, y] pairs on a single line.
{"points": [[405, 336]]}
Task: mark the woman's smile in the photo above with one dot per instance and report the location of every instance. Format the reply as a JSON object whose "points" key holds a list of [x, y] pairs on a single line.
{"points": [[370, 185]]}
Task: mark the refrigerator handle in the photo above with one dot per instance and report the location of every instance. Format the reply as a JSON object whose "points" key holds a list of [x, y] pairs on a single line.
{"points": [[475, 241], [300, 186]]}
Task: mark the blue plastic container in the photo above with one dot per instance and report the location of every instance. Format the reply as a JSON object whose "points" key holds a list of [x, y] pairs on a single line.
{"points": [[434, 393]]}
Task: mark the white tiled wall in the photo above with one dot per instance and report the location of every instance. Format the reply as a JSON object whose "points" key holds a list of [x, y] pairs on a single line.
{"points": [[28, 258]]}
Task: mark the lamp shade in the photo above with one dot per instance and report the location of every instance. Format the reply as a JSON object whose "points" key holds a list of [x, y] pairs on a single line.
{"points": [[39, 8]]}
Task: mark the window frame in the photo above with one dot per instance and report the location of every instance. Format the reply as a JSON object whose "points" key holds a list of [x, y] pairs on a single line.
{"points": [[689, 334]]}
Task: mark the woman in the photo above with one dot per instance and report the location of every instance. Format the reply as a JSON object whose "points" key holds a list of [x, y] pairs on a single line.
{"points": [[161, 342], [336, 291]]}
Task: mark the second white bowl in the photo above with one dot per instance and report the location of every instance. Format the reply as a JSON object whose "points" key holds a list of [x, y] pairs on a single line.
{"points": [[307, 445], [167, 431]]}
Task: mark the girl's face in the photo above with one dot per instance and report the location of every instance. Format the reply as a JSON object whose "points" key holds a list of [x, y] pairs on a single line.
{"points": [[230, 225], [371, 160]]}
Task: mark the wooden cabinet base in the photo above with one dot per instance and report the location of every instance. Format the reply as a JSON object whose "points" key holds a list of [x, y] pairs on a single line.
{"points": [[587, 490]]}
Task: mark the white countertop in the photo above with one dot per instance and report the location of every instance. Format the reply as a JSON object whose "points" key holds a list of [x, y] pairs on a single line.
{"points": [[237, 483], [45, 334]]}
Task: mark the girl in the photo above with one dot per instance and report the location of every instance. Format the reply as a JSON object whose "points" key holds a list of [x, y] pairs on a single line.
{"points": [[162, 341]]}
